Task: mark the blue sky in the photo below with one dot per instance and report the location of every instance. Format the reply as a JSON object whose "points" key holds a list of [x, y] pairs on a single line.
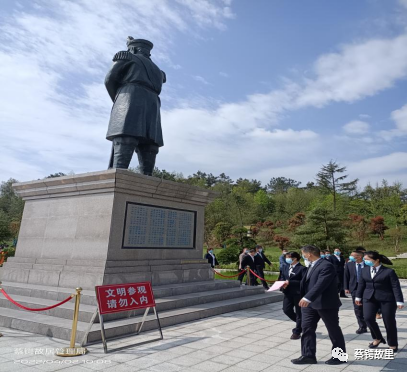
{"points": [[255, 89]]}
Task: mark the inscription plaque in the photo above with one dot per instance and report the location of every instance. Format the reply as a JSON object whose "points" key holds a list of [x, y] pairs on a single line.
{"points": [[148, 226]]}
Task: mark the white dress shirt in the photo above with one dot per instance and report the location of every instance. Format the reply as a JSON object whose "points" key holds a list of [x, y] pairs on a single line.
{"points": [[213, 258], [291, 269]]}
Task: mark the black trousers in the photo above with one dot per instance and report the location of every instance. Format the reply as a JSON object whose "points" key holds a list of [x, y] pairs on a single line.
{"points": [[370, 308], [241, 276], [358, 312], [290, 303], [260, 272], [309, 323]]}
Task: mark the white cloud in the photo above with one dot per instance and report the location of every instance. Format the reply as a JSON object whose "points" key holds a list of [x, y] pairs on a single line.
{"points": [[400, 118], [356, 127], [201, 79], [224, 75], [391, 167], [364, 116], [51, 125], [50, 120], [357, 71]]}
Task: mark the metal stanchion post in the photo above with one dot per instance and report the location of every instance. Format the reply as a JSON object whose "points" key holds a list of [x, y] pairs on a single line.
{"points": [[248, 276], [72, 350]]}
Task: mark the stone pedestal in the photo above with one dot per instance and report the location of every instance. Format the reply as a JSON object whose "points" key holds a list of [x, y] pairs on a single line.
{"points": [[109, 227]]}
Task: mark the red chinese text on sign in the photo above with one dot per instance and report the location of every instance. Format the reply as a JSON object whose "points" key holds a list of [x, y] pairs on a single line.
{"points": [[124, 297]]}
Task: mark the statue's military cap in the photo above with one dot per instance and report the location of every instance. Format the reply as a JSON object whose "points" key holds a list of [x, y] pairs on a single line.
{"points": [[122, 55]]}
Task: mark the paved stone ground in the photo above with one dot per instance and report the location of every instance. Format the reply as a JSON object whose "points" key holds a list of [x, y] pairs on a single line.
{"points": [[256, 339]]}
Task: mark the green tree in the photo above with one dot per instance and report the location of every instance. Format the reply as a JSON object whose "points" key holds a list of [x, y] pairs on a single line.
{"points": [[329, 181], [281, 184], [250, 186], [222, 232], [56, 174], [5, 232], [323, 228]]}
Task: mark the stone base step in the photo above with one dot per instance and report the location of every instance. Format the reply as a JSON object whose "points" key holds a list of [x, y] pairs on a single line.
{"points": [[89, 297], [61, 327], [86, 311]]}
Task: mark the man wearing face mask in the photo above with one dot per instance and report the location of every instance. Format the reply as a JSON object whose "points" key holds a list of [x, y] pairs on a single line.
{"points": [[319, 300], [250, 261], [293, 274], [353, 271], [338, 261], [261, 261], [283, 264], [244, 252]]}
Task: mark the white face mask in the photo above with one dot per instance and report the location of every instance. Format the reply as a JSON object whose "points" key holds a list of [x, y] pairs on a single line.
{"points": [[307, 262]]}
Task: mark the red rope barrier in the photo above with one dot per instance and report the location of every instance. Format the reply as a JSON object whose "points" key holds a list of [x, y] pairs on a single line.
{"points": [[228, 276], [261, 277], [36, 309]]}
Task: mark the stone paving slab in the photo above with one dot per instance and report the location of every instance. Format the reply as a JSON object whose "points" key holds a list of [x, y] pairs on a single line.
{"points": [[255, 339]]}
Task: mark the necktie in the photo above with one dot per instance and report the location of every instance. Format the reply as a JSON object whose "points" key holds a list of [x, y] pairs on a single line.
{"points": [[309, 271], [358, 271], [290, 272], [373, 272]]}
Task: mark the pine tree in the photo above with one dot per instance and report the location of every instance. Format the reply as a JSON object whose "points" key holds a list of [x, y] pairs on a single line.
{"points": [[322, 228], [328, 181]]}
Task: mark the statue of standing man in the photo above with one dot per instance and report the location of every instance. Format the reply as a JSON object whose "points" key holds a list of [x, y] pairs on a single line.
{"points": [[134, 83]]}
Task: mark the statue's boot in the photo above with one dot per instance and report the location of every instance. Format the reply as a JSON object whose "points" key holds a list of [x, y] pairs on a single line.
{"points": [[146, 158], [123, 149]]}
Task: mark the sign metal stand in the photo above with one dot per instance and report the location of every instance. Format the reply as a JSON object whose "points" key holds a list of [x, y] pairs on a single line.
{"points": [[101, 310]]}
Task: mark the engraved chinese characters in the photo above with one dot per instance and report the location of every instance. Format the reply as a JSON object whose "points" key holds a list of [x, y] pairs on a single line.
{"points": [[124, 297], [158, 227]]}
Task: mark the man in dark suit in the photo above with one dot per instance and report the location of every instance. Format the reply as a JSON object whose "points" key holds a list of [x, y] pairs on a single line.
{"points": [[251, 262], [292, 275], [353, 271], [319, 301], [338, 261], [261, 261]]}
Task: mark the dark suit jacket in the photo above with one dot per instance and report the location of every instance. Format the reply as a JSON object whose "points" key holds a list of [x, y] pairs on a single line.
{"points": [[339, 265], [261, 260], [248, 261], [385, 286], [321, 288], [209, 258], [350, 278], [297, 274]]}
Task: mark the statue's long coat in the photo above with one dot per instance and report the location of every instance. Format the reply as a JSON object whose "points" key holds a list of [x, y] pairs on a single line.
{"points": [[134, 83]]}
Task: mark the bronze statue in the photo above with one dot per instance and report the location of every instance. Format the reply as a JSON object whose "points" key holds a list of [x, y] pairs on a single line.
{"points": [[134, 83]]}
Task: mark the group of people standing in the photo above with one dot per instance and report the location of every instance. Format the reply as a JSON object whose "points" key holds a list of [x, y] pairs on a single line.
{"points": [[256, 260], [312, 292]]}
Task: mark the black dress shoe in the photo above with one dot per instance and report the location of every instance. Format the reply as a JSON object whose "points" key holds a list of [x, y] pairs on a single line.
{"points": [[334, 361], [295, 336], [361, 331], [371, 345], [343, 296], [304, 360]]}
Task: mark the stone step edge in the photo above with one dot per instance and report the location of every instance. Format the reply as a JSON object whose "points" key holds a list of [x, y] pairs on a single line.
{"points": [[61, 293], [65, 325], [35, 302]]}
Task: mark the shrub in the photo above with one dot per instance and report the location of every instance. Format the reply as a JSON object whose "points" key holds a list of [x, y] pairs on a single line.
{"points": [[229, 255]]}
